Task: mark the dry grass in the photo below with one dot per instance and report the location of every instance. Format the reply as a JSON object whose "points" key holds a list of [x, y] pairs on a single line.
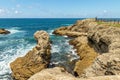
{"points": [[113, 24]]}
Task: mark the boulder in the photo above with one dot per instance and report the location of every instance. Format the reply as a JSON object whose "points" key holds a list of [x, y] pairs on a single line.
{"points": [[3, 31], [35, 60]]}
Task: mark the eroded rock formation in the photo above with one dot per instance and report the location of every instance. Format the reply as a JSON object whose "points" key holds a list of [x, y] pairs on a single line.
{"points": [[106, 41], [86, 53], [35, 60], [99, 49]]}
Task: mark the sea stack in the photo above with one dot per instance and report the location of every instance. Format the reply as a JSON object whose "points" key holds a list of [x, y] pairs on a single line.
{"points": [[35, 60], [3, 31]]}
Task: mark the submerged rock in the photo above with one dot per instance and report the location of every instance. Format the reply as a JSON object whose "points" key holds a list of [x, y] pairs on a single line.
{"points": [[35, 60], [3, 31]]}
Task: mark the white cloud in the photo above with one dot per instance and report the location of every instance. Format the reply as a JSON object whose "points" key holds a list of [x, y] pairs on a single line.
{"points": [[2, 11], [17, 12]]}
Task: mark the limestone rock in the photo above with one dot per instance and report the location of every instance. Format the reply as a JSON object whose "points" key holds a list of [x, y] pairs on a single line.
{"points": [[86, 53], [105, 64], [81, 27], [106, 42], [56, 73], [99, 38], [3, 31], [80, 31], [116, 77], [35, 60]]}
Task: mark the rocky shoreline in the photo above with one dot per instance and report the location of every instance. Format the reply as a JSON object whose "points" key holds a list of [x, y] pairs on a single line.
{"points": [[35, 60], [96, 44]]}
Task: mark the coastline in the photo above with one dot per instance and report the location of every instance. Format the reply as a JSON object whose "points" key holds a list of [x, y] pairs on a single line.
{"points": [[80, 42], [99, 54], [100, 40]]}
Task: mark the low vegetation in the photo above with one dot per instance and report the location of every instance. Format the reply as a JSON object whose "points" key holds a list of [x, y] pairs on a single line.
{"points": [[113, 24]]}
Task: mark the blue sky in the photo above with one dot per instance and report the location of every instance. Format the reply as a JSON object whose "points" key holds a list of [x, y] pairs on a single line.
{"points": [[59, 8]]}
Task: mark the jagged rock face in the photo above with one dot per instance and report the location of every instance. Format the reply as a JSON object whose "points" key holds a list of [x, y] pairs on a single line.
{"points": [[106, 41], [56, 73], [105, 38], [35, 60], [80, 31], [86, 53], [105, 64], [3, 31]]}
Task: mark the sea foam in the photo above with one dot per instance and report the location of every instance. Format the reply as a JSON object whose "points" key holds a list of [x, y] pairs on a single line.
{"points": [[50, 32], [14, 30], [10, 54]]}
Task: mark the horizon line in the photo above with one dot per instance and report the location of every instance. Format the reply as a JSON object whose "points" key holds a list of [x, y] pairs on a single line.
{"points": [[54, 18]]}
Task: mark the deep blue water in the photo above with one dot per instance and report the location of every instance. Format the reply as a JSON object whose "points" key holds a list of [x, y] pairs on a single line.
{"points": [[21, 40]]}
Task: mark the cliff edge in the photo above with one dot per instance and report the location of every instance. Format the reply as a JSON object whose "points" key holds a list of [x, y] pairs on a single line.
{"points": [[97, 45]]}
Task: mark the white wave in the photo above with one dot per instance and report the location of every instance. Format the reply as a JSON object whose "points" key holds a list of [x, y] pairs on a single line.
{"points": [[67, 24], [65, 36], [14, 30], [56, 63], [55, 48], [8, 57], [50, 32]]}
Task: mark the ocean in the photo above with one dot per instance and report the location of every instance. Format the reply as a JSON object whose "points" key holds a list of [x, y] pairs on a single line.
{"points": [[21, 40]]}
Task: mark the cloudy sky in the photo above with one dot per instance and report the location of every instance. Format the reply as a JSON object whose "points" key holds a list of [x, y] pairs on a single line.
{"points": [[59, 8]]}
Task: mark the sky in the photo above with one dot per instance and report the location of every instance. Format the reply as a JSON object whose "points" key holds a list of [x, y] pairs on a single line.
{"points": [[59, 8]]}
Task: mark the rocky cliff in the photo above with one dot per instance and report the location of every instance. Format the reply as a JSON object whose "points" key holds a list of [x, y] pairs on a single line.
{"points": [[97, 45], [106, 42], [35, 60]]}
